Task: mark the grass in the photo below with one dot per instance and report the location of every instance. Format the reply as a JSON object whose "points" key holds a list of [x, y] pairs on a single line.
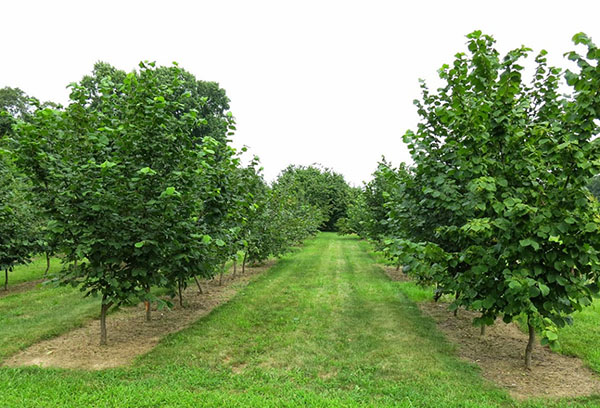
{"points": [[582, 339], [32, 271], [323, 328]]}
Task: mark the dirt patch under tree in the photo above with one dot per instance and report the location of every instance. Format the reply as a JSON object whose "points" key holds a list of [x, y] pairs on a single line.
{"points": [[129, 335], [395, 273], [500, 352], [21, 287]]}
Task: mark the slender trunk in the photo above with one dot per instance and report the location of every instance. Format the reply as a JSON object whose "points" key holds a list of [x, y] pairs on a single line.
{"points": [[6, 279], [244, 262], [482, 332], [398, 267], [456, 310], [148, 311], [437, 293], [221, 275], [198, 284], [529, 348], [234, 266], [103, 309], [180, 296], [148, 306], [47, 264]]}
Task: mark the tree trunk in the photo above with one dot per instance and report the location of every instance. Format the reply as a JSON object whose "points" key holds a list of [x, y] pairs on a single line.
{"points": [[398, 267], [244, 262], [437, 293], [103, 309], [221, 275], [235, 266], [148, 306], [47, 264], [180, 296], [198, 284], [6, 279], [530, 343], [482, 331], [456, 296], [148, 311]]}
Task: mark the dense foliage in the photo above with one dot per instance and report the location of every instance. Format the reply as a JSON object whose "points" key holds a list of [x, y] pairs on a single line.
{"points": [[19, 223], [321, 188], [20, 216]]}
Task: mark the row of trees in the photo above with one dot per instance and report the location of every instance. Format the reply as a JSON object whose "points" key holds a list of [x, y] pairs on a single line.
{"points": [[135, 186], [495, 210]]}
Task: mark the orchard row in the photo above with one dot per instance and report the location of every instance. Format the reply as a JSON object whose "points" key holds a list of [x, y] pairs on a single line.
{"points": [[135, 185], [495, 210]]}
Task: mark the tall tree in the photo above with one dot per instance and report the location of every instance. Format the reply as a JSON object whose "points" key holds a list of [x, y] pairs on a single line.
{"points": [[128, 172], [502, 169]]}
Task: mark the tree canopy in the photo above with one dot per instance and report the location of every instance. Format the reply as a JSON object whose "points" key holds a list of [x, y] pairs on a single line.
{"points": [[322, 188]]}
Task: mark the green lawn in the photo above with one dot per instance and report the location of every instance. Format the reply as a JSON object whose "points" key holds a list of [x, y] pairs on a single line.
{"points": [[582, 339], [323, 328]]}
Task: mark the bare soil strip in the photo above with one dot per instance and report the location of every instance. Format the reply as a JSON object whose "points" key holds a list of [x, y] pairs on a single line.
{"points": [[500, 351], [395, 274], [129, 335], [21, 287]]}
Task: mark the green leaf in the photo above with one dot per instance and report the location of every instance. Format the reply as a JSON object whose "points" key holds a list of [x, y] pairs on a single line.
{"points": [[169, 191], [529, 242], [107, 164], [146, 170], [498, 207], [502, 182], [514, 285]]}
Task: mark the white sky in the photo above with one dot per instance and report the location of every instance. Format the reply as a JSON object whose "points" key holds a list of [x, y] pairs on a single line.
{"points": [[330, 82]]}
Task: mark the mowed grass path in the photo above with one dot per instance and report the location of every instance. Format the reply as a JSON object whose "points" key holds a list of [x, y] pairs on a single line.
{"points": [[323, 328]]}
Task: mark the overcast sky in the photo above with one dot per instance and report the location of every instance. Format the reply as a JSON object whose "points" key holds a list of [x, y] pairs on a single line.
{"points": [[330, 82]]}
